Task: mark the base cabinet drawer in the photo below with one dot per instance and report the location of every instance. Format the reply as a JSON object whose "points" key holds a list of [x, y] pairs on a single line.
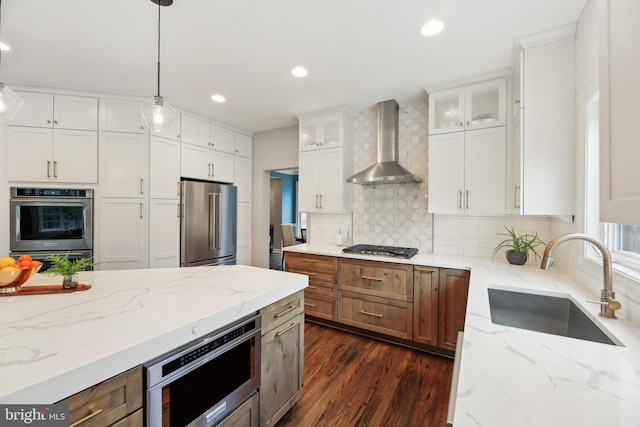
{"points": [[322, 280], [247, 415], [381, 279], [320, 305], [310, 262], [281, 311], [380, 315], [133, 420], [108, 402]]}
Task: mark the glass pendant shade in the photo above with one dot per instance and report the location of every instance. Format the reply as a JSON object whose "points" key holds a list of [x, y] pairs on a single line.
{"points": [[157, 114], [10, 103]]}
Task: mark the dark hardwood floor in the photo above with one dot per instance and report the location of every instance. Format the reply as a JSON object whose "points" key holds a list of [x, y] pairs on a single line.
{"points": [[356, 381]]}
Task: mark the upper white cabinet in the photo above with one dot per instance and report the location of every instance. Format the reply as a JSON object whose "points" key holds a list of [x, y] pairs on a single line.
{"points": [[119, 115], [164, 168], [467, 172], [243, 145], [476, 106], [222, 139], [123, 165], [47, 110], [195, 131], [543, 150], [204, 163], [54, 155], [325, 163], [322, 131], [619, 123]]}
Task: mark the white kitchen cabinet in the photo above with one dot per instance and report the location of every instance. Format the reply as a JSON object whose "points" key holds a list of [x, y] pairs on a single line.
{"points": [[222, 139], [619, 124], [322, 181], [122, 235], [164, 233], [164, 168], [471, 107], [120, 115], [200, 162], [543, 145], [123, 165], [243, 255], [243, 145], [195, 131], [467, 172], [322, 131], [54, 155], [46, 110]]}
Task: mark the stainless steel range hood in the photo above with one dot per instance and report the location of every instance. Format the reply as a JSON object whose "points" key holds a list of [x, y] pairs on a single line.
{"points": [[387, 170]]}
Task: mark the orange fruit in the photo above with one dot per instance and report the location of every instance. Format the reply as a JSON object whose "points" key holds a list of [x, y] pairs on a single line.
{"points": [[25, 264], [35, 264], [24, 258]]}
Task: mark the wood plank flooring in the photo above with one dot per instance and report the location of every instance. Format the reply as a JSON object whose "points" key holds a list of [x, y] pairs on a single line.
{"points": [[356, 381]]}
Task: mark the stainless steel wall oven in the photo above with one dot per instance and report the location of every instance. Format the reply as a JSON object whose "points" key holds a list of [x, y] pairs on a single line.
{"points": [[202, 382], [50, 220]]}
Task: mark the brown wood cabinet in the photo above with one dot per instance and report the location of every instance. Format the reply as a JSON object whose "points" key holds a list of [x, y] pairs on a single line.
{"points": [[246, 415], [452, 306], [320, 296], [383, 315], [425, 305], [114, 402], [282, 352], [382, 279]]}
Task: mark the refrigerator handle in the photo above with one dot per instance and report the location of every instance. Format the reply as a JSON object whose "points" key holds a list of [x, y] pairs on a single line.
{"points": [[212, 225], [218, 197]]}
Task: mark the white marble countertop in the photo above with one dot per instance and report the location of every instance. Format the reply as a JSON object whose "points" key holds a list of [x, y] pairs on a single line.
{"points": [[52, 346], [513, 377]]}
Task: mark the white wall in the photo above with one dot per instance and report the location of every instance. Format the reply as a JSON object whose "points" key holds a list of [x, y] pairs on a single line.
{"points": [[569, 257], [272, 150]]}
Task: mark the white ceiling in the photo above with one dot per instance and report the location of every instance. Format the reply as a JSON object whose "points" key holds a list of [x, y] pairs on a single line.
{"points": [[358, 52]]}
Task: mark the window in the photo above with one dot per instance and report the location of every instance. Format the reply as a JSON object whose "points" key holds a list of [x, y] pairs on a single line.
{"points": [[622, 240]]}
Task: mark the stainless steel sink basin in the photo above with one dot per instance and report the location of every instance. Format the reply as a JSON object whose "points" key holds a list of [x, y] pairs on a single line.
{"points": [[550, 313]]}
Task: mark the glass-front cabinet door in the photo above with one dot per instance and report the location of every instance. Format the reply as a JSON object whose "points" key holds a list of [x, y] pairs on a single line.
{"points": [[446, 111], [485, 105], [470, 107]]}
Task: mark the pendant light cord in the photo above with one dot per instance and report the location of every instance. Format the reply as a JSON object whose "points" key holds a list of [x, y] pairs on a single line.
{"points": [[158, 48], [0, 33]]}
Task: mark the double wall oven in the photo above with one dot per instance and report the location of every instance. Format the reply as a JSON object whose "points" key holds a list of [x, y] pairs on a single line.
{"points": [[47, 221]]}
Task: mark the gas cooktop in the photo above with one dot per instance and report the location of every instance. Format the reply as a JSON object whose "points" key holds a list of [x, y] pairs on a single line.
{"points": [[390, 251]]}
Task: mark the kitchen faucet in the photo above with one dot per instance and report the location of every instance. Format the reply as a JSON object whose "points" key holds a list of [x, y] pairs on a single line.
{"points": [[608, 304]]}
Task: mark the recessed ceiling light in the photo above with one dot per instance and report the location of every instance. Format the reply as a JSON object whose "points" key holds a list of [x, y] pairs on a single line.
{"points": [[4, 46], [432, 27], [218, 98], [299, 72]]}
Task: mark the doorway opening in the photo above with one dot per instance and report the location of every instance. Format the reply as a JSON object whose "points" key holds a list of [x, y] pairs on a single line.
{"points": [[284, 210]]}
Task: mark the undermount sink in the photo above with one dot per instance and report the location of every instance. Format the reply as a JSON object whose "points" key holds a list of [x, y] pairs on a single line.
{"points": [[551, 313]]}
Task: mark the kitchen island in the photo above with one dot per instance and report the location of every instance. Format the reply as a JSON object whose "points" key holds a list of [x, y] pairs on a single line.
{"points": [[514, 377], [53, 346]]}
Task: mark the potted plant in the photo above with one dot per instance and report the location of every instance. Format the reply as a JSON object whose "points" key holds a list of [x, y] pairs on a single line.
{"points": [[519, 246], [68, 269]]}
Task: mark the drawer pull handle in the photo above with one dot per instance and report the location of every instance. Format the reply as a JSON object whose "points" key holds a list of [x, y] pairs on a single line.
{"points": [[311, 261], [94, 412], [312, 287], [377, 279], [282, 313], [309, 305], [371, 314], [288, 328], [308, 273]]}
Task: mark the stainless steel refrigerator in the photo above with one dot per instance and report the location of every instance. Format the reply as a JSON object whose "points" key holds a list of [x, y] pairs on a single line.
{"points": [[207, 223]]}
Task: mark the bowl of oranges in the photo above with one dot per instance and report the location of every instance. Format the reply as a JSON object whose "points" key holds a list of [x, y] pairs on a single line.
{"points": [[15, 273]]}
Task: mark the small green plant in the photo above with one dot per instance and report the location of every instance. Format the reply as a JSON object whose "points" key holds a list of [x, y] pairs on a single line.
{"points": [[63, 266], [519, 243]]}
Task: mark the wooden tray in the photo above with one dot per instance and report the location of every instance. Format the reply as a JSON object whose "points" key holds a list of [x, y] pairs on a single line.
{"points": [[47, 289]]}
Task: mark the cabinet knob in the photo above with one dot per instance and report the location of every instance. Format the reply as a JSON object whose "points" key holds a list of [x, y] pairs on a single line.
{"points": [[55, 122], [516, 101], [49, 121], [461, 123]]}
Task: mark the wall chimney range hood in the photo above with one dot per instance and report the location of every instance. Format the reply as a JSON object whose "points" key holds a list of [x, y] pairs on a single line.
{"points": [[387, 170]]}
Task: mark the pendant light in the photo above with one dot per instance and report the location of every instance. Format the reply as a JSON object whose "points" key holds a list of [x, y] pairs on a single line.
{"points": [[10, 103], [158, 113]]}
